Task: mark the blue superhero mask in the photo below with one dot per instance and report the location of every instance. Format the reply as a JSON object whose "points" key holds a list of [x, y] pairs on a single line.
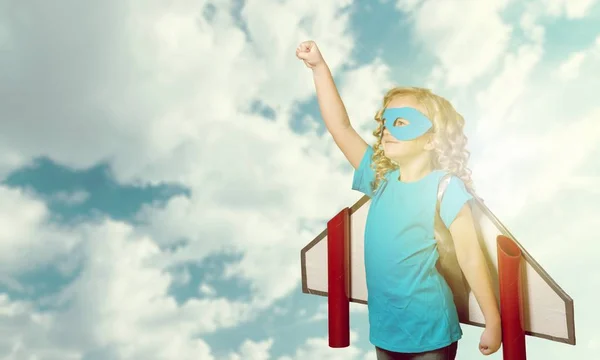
{"points": [[417, 126]]}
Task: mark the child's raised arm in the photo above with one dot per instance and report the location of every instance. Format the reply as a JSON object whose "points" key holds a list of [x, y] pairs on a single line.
{"points": [[332, 108]]}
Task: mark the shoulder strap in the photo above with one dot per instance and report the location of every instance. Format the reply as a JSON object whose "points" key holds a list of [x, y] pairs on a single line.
{"points": [[443, 184], [447, 263]]}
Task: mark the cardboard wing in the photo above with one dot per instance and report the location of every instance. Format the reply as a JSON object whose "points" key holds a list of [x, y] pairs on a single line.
{"points": [[547, 311]]}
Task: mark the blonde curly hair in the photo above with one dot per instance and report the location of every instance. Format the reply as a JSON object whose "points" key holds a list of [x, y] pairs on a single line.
{"points": [[449, 141]]}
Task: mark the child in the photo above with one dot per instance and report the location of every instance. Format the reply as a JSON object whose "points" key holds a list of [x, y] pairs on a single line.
{"points": [[412, 314]]}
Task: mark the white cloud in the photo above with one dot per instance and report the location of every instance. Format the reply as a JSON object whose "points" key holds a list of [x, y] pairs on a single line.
{"points": [[594, 343], [164, 95], [120, 303], [518, 161], [443, 27], [587, 182], [563, 223], [206, 289], [370, 355], [28, 238], [181, 276], [76, 197], [507, 88], [251, 350], [576, 62], [320, 314], [362, 90], [318, 348], [408, 5], [580, 140], [10, 160], [571, 9], [570, 68], [313, 348], [275, 41], [124, 286], [26, 333], [523, 138], [12, 284], [358, 308], [529, 23]]}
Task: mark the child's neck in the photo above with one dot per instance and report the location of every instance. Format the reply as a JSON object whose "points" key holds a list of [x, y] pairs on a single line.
{"points": [[415, 169]]}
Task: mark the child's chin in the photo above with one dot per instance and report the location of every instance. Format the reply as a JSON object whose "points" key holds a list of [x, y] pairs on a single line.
{"points": [[392, 154], [395, 156]]}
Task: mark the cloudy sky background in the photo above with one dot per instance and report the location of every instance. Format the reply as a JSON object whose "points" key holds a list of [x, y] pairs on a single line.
{"points": [[163, 163]]}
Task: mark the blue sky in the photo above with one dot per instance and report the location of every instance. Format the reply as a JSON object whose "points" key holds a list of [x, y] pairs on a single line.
{"points": [[162, 165]]}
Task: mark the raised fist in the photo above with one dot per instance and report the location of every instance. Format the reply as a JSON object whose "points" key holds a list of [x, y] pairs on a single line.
{"points": [[308, 52]]}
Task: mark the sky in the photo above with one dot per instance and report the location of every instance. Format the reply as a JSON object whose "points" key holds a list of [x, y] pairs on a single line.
{"points": [[162, 164]]}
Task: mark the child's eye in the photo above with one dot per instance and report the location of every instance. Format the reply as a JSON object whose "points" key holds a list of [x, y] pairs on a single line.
{"points": [[401, 122]]}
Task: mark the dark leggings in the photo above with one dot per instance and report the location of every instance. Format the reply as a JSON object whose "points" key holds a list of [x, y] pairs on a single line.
{"points": [[445, 353]]}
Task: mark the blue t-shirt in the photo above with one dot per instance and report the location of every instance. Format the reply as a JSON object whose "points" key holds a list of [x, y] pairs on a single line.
{"points": [[411, 307]]}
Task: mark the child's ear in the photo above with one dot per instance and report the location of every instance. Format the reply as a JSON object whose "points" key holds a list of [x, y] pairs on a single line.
{"points": [[429, 143]]}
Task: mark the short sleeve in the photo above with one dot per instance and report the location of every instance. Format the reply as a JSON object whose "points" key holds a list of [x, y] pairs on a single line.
{"points": [[455, 197], [364, 174]]}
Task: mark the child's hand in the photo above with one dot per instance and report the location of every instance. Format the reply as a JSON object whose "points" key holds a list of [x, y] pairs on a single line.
{"points": [[308, 52], [490, 339]]}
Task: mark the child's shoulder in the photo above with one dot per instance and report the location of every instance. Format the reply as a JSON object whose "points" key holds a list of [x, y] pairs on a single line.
{"points": [[451, 184], [453, 198]]}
